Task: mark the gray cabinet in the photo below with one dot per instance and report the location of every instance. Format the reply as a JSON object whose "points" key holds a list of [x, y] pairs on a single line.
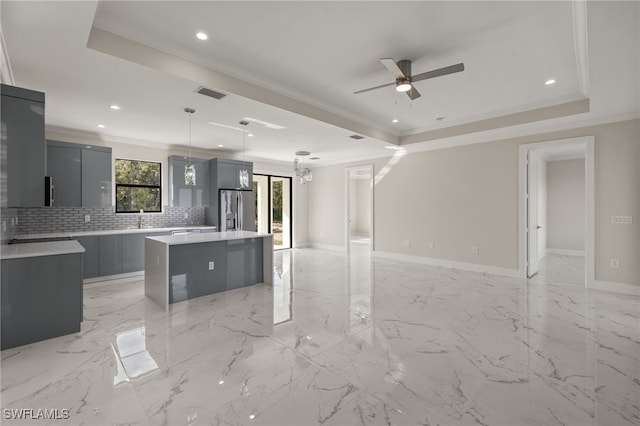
{"points": [[228, 173], [23, 150], [91, 257], [115, 254], [81, 174], [224, 174], [182, 195], [64, 165], [96, 177], [110, 255], [41, 298]]}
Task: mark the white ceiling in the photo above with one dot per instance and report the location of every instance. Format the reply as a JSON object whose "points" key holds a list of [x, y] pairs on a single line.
{"points": [[297, 64]]}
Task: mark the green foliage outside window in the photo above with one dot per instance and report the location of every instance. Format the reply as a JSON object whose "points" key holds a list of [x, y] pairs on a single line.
{"points": [[138, 186]]}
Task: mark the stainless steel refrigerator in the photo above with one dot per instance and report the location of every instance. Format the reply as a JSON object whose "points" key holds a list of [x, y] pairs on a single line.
{"points": [[237, 210]]}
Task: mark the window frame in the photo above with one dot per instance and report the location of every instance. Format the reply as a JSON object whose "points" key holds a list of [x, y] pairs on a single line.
{"points": [[136, 185]]}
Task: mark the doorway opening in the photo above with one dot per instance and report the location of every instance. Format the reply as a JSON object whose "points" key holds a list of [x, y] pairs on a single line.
{"points": [[557, 208], [359, 212], [274, 208]]}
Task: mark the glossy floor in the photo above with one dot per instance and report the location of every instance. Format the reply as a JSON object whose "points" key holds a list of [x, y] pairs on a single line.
{"points": [[345, 340]]}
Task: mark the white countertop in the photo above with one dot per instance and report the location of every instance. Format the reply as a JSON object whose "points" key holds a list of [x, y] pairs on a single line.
{"points": [[110, 232], [207, 237], [53, 248]]}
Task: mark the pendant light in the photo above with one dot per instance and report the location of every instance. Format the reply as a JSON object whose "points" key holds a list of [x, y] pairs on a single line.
{"points": [[301, 167], [189, 169], [244, 173]]}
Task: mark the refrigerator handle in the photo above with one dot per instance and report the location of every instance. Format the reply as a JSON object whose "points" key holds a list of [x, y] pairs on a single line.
{"points": [[240, 212]]}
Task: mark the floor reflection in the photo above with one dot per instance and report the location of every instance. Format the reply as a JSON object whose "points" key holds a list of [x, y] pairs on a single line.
{"points": [[132, 358]]}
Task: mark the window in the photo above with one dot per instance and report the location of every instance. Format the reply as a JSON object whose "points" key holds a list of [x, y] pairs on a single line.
{"points": [[138, 186]]}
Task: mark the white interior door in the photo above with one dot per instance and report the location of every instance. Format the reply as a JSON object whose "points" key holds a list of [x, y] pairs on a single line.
{"points": [[533, 168]]}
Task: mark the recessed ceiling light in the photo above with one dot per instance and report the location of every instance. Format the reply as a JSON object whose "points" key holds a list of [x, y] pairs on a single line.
{"points": [[250, 135], [116, 107], [220, 146], [395, 120], [102, 126], [550, 82], [202, 36]]}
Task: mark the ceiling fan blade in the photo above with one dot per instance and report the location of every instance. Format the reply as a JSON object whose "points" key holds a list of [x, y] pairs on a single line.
{"points": [[439, 72], [413, 93], [393, 68], [373, 88]]}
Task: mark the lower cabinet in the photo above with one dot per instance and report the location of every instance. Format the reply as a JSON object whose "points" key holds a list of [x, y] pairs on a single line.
{"points": [[41, 298], [91, 256], [113, 254]]}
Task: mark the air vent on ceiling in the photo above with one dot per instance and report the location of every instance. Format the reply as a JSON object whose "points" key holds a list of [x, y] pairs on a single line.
{"points": [[356, 137], [211, 93]]}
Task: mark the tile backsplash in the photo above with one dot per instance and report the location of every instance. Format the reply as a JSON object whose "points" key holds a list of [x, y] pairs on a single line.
{"points": [[72, 219]]}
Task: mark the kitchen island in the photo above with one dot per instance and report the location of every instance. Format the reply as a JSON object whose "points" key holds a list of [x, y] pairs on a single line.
{"points": [[181, 267]]}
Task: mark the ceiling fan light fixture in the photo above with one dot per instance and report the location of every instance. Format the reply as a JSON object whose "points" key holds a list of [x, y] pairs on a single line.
{"points": [[403, 86]]}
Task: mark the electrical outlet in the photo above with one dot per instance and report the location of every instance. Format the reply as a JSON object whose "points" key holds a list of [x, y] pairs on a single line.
{"points": [[475, 250], [407, 243], [186, 215], [157, 259], [431, 245], [615, 263], [87, 218], [4, 226], [211, 266]]}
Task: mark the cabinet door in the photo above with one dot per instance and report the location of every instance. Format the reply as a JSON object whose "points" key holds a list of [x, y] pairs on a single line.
{"points": [[201, 190], [96, 178], [180, 193], [132, 252], [64, 165], [23, 148], [110, 255], [91, 256], [228, 175]]}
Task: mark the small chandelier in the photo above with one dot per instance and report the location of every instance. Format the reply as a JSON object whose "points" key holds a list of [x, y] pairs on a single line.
{"points": [[301, 166], [189, 169]]}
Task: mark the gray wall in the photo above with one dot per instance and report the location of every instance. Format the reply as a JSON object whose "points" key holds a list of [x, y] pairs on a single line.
{"points": [[566, 204]]}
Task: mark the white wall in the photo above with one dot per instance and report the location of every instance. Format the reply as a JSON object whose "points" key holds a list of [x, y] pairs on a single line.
{"points": [[362, 207], [566, 204], [467, 196]]}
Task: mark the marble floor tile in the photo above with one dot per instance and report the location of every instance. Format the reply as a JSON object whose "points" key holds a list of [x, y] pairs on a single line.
{"points": [[343, 339]]}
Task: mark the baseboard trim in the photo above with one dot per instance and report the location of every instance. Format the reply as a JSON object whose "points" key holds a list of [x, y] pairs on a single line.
{"points": [[302, 245], [565, 252], [473, 267], [112, 277], [329, 247], [622, 288]]}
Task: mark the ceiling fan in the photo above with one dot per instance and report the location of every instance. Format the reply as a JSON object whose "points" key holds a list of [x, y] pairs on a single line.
{"points": [[404, 80]]}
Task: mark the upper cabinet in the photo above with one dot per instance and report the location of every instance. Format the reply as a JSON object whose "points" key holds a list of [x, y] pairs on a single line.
{"points": [[228, 174], [183, 195], [81, 174], [23, 151]]}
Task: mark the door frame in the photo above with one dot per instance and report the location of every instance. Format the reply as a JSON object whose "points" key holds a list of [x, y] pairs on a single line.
{"points": [[589, 231], [347, 180], [269, 177]]}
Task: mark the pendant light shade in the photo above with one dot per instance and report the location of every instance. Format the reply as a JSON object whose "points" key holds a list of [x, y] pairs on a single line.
{"points": [[189, 169], [243, 173], [301, 167]]}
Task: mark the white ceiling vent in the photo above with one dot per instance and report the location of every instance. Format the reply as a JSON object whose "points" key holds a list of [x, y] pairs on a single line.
{"points": [[211, 93]]}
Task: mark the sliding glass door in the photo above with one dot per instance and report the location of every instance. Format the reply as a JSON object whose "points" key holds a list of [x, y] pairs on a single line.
{"points": [[274, 208]]}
